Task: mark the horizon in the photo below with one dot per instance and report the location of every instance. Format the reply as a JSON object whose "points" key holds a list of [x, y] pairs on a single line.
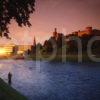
{"points": [[30, 40]]}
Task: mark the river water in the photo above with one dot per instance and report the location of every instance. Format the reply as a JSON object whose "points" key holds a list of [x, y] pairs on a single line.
{"points": [[53, 80]]}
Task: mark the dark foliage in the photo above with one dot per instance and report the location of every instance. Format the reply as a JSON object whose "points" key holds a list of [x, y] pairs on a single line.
{"points": [[48, 46], [70, 43], [73, 47], [19, 10]]}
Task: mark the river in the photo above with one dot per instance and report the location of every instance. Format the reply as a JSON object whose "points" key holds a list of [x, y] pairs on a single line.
{"points": [[53, 80]]}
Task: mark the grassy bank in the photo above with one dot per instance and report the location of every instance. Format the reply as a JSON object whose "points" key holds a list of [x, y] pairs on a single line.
{"points": [[8, 93]]}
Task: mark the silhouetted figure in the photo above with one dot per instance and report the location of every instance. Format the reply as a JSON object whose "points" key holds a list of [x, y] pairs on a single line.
{"points": [[9, 78]]}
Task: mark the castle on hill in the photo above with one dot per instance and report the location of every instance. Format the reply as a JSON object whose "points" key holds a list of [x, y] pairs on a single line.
{"points": [[86, 31]]}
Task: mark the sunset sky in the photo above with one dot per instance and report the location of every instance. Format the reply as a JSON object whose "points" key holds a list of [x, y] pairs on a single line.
{"points": [[66, 15]]}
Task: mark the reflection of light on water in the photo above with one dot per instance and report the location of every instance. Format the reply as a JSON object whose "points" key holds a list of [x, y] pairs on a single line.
{"points": [[40, 80]]}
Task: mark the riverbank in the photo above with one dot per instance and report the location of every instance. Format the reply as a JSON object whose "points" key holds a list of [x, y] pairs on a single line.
{"points": [[59, 58], [64, 58], [8, 93]]}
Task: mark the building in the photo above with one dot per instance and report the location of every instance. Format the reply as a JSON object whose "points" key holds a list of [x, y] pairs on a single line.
{"points": [[15, 50], [9, 49], [55, 33], [23, 48], [86, 31]]}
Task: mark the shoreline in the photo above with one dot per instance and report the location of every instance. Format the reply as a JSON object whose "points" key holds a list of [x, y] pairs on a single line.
{"points": [[9, 93], [67, 58], [57, 58]]}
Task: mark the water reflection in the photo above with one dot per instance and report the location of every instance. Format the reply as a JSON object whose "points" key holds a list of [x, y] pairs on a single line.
{"points": [[53, 80]]}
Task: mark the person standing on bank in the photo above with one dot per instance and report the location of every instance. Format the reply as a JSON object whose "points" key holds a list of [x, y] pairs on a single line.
{"points": [[9, 78]]}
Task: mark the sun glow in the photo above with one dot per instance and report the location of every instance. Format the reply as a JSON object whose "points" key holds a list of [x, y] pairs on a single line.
{"points": [[2, 51]]}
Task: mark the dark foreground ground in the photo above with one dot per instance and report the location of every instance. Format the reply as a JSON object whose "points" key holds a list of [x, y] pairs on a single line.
{"points": [[8, 93]]}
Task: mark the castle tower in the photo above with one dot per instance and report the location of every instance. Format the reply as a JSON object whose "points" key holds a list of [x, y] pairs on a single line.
{"points": [[88, 29], [55, 33]]}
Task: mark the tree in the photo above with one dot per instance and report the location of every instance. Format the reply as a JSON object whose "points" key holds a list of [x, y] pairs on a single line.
{"points": [[19, 10], [48, 46], [60, 40]]}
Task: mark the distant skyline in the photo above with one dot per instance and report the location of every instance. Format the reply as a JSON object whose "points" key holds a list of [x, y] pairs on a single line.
{"points": [[65, 15]]}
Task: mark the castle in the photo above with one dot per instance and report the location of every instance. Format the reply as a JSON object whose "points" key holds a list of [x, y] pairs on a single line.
{"points": [[57, 35], [79, 33], [87, 31]]}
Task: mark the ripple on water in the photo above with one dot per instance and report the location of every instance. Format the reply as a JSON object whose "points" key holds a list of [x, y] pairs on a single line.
{"points": [[53, 80]]}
